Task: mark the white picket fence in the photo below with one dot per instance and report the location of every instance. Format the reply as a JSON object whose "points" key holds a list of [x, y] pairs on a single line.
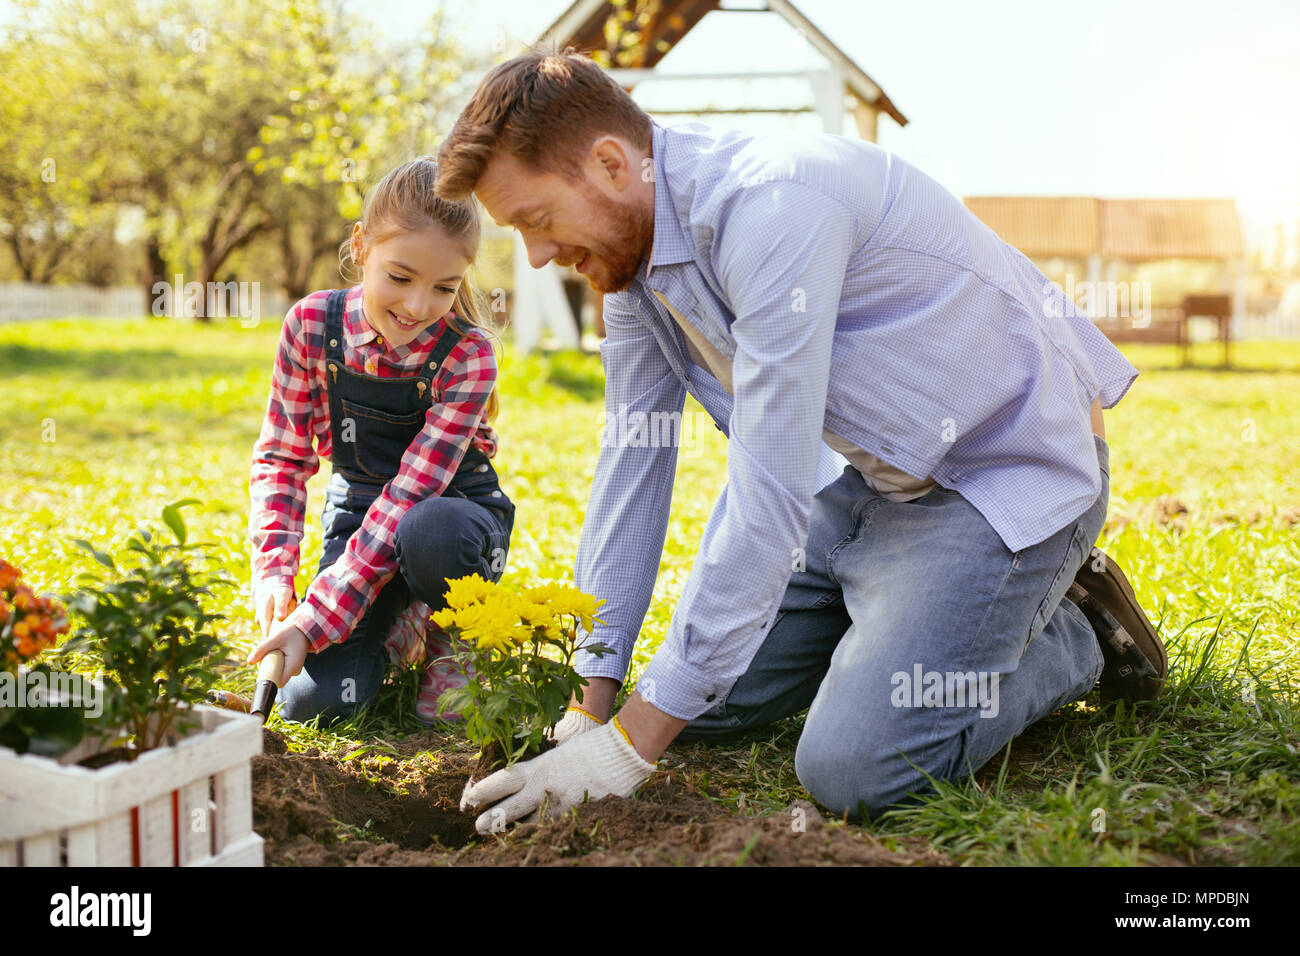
{"points": [[29, 300], [20, 301], [1275, 326]]}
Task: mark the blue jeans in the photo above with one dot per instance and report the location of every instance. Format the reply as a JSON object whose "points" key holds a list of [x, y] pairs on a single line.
{"points": [[437, 539], [918, 642]]}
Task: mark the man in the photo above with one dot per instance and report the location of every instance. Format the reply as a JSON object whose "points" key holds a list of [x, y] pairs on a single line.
{"points": [[813, 293]]}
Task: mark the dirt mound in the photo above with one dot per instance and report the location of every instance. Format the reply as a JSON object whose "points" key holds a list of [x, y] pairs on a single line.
{"points": [[316, 810], [669, 825]]}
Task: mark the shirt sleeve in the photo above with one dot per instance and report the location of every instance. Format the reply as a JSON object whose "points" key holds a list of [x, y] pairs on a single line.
{"points": [[626, 522], [781, 253], [339, 596], [283, 461]]}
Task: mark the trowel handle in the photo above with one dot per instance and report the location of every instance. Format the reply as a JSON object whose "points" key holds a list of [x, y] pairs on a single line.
{"points": [[269, 671], [271, 667]]}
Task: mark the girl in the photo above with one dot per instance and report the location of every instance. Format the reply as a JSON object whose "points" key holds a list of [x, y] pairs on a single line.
{"points": [[396, 381]]}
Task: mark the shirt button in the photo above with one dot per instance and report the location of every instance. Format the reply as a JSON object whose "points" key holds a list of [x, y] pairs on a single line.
{"points": [[481, 468], [496, 494], [334, 343], [379, 339]]}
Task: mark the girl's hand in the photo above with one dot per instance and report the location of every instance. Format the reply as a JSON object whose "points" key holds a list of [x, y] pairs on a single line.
{"points": [[272, 601], [292, 642]]}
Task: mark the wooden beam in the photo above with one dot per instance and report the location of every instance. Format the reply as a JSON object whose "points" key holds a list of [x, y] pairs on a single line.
{"points": [[865, 116], [863, 86]]}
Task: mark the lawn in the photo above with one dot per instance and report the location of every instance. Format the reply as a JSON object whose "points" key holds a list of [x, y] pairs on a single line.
{"points": [[107, 421]]}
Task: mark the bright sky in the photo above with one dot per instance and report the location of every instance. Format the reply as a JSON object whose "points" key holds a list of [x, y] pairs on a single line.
{"points": [[1116, 98]]}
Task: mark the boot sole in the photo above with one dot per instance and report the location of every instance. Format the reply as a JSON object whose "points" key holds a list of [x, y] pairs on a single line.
{"points": [[1111, 590]]}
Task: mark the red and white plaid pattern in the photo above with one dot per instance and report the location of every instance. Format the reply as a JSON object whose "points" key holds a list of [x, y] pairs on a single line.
{"points": [[406, 638], [439, 676], [283, 459]]}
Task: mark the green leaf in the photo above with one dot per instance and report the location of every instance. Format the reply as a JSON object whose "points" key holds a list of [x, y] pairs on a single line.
{"points": [[45, 731], [172, 516], [456, 701], [54, 730], [99, 556], [496, 705]]}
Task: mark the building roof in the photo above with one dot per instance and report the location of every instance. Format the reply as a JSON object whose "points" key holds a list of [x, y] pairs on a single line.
{"points": [[589, 25], [1131, 229]]}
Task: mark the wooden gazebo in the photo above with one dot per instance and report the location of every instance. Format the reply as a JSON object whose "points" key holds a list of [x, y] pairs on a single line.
{"points": [[630, 38]]}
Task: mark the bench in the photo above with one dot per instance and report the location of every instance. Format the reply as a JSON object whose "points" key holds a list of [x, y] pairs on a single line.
{"points": [[1169, 326]]}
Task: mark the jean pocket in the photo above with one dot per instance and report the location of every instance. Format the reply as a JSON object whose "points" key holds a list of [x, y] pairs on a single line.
{"points": [[1074, 556], [381, 437]]}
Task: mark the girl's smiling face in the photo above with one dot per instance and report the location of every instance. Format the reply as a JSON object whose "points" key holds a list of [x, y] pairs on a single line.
{"points": [[409, 280]]}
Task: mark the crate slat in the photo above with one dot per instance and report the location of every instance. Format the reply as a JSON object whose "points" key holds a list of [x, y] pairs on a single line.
{"points": [[245, 852], [195, 821], [41, 850], [156, 832], [234, 805], [113, 840], [83, 848]]}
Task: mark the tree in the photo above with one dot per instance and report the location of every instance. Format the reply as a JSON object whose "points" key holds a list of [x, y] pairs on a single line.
{"points": [[225, 123]]}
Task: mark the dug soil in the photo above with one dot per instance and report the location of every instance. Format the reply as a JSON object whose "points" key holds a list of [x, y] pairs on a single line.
{"points": [[398, 806]]}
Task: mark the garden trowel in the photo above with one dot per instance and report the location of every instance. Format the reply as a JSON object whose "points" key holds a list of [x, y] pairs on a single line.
{"points": [[269, 671]]}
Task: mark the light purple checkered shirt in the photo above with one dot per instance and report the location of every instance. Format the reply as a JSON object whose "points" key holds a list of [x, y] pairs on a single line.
{"points": [[850, 292]]}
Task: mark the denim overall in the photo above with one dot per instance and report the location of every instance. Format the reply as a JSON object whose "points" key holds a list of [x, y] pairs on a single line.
{"points": [[465, 531]]}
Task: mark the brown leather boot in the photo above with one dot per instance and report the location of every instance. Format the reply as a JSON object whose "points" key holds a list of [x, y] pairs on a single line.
{"points": [[1136, 662]]}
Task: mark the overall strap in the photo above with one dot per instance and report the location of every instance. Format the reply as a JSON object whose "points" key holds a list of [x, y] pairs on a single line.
{"points": [[334, 325], [448, 339]]}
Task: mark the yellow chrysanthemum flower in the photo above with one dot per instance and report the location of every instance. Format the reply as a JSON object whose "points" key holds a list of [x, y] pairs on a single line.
{"points": [[493, 625], [472, 589], [569, 600], [534, 613]]}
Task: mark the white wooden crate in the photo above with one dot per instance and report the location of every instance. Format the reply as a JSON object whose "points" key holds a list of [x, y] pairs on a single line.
{"points": [[190, 803]]}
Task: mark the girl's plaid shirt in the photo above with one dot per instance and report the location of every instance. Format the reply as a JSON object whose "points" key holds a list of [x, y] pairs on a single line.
{"points": [[283, 459]]}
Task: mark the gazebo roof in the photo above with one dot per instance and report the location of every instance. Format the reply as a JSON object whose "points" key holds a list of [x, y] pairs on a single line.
{"points": [[1130, 229], [584, 24]]}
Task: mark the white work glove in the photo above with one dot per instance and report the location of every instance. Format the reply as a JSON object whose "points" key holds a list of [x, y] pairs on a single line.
{"points": [[273, 599], [597, 764], [575, 721]]}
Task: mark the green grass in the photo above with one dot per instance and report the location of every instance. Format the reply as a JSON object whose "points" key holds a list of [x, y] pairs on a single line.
{"points": [[107, 421]]}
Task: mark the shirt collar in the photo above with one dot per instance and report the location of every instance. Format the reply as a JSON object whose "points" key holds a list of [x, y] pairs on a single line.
{"points": [[672, 244], [358, 332]]}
